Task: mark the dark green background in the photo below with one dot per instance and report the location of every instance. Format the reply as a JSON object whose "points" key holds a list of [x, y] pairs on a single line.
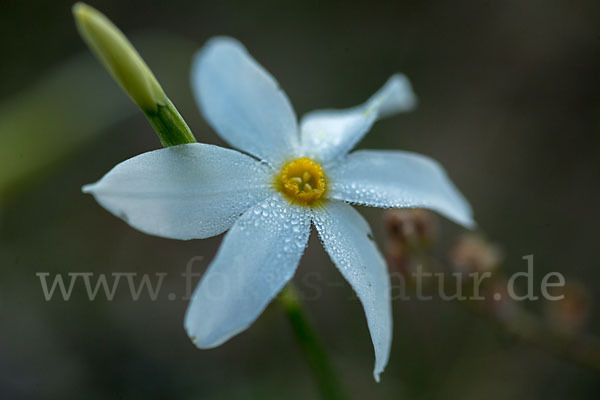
{"points": [[509, 103]]}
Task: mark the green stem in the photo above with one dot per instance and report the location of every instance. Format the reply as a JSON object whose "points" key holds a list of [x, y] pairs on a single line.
{"points": [[169, 125], [327, 381]]}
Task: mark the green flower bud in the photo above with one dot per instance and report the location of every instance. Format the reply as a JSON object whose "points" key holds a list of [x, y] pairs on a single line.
{"points": [[126, 66], [119, 56]]}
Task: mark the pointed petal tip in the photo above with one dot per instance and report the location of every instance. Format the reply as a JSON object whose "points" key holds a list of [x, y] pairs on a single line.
{"points": [[223, 40], [376, 374], [190, 326], [212, 44], [471, 224], [402, 90], [89, 188], [201, 345], [200, 342], [204, 338], [465, 218]]}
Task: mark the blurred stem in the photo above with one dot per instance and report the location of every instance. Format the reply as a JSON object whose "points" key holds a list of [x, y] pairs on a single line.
{"points": [[579, 348], [582, 349], [319, 363]]}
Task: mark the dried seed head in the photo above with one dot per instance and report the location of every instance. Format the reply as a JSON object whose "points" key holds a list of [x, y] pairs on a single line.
{"points": [[472, 253], [413, 226]]}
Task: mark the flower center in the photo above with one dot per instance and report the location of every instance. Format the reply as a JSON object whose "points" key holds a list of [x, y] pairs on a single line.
{"points": [[302, 181]]}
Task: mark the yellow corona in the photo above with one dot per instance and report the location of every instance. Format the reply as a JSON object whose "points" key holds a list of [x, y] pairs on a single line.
{"points": [[302, 181]]}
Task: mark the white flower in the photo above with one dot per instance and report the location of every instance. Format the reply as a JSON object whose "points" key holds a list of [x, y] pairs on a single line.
{"points": [[293, 176]]}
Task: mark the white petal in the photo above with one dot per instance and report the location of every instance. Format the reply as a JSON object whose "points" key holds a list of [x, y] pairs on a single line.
{"points": [[347, 238], [329, 134], [258, 256], [190, 191], [398, 179], [242, 101]]}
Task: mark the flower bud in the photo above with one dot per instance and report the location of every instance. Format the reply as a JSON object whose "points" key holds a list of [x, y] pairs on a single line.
{"points": [[119, 57]]}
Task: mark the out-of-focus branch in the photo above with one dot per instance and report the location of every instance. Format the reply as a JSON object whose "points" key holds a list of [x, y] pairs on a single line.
{"points": [[410, 235], [580, 348]]}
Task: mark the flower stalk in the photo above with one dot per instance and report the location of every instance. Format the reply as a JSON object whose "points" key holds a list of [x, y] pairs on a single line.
{"points": [[327, 381]]}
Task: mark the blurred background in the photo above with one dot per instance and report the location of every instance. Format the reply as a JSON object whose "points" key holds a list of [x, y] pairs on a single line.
{"points": [[509, 104]]}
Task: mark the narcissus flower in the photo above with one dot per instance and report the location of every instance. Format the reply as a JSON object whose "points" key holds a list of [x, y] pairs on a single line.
{"points": [[292, 175]]}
